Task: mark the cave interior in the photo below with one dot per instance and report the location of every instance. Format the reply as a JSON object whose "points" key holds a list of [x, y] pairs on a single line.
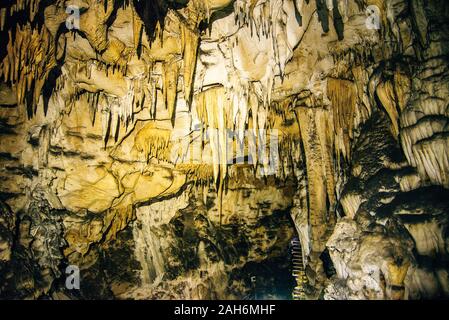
{"points": [[224, 149]]}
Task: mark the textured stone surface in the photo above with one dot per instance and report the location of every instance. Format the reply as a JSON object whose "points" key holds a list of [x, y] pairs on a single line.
{"points": [[116, 156]]}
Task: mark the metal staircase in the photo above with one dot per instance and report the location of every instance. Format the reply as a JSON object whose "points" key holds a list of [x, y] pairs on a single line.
{"points": [[298, 270]]}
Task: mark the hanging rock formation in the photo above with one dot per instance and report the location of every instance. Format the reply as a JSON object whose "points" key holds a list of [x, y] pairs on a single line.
{"points": [[174, 148]]}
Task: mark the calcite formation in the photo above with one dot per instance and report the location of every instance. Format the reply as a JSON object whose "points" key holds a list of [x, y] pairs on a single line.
{"points": [[187, 149]]}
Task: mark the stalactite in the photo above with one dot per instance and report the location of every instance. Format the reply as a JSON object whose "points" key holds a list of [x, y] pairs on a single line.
{"points": [[326, 131], [115, 120], [343, 95], [137, 30], [30, 58], [420, 21], [394, 94], [189, 43], [94, 23], [402, 85], [213, 109], [323, 14], [88, 100], [386, 95], [200, 174], [3, 12], [316, 132], [240, 108], [170, 77], [105, 122], [253, 132], [153, 94], [153, 142], [338, 20], [211, 105], [298, 8], [267, 20], [31, 6]]}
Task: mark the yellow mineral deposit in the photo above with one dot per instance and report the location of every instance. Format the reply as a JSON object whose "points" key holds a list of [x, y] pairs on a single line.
{"points": [[196, 145]]}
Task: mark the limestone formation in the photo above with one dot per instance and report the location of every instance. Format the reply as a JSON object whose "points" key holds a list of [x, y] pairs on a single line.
{"points": [[186, 149]]}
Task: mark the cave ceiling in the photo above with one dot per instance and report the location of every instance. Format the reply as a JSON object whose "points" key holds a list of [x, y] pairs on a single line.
{"points": [[196, 138]]}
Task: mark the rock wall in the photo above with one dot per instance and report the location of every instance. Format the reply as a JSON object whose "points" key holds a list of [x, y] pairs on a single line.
{"points": [[171, 149]]}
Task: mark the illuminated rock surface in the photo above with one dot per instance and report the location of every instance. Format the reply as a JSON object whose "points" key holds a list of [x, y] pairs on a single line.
{"points": [[174, 148]]}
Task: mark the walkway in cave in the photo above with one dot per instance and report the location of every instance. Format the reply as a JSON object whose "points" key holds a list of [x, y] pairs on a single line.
{"points": [[282, 275], [298, 271]]}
